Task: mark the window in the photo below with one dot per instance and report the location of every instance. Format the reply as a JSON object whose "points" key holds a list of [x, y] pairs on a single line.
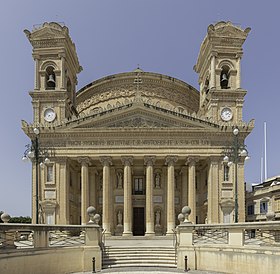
{"points": [[139, 186], [49, 173], [263, 207], [226, 172], [250, 210]]}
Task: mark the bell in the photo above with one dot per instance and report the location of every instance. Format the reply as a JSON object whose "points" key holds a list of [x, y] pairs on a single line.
{"points": [[51, 79], [224, 78]]}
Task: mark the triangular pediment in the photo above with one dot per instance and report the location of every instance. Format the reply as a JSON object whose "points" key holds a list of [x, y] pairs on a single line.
{"points": [[139, 116], [47, 31]]}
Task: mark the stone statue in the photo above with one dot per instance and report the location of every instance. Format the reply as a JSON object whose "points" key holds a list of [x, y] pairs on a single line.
{"points": [[119, 217], [119, 180], [157, 180], [158, 218]]}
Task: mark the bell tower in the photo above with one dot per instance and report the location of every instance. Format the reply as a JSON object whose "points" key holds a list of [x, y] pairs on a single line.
{"points": [[56, 69], [218, 66]]}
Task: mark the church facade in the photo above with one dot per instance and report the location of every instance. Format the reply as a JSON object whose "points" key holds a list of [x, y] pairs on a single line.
{"points": [[138, 146]]}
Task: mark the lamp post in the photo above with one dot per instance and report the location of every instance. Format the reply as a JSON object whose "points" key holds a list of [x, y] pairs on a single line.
{"points": [[40, 157], [232, 156]]}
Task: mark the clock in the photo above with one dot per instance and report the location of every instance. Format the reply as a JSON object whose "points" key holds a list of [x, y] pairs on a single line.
{"points": [[49, 115], [226, 114]]}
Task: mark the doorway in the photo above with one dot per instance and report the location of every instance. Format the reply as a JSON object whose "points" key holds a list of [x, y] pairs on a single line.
{"points": [[138, 221]]}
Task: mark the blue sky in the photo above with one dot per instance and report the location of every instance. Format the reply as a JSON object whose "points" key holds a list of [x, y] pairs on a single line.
{"points": [[113, 36]]}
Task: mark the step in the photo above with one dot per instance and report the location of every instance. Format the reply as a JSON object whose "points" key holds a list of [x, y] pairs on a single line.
{"points": [[129, 256]]}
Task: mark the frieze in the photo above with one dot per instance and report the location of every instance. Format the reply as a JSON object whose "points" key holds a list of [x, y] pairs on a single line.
{"points": [[139, 142]]}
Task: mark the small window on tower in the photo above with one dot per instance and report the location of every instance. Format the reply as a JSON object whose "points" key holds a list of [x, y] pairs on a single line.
{"points": [[50, 78]]}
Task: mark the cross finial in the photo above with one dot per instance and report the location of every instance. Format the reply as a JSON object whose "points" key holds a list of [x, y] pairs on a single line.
{"points": [[138, 82]]}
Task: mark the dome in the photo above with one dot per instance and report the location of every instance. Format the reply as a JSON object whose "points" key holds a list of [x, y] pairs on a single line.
{"points": [[120, 89]]}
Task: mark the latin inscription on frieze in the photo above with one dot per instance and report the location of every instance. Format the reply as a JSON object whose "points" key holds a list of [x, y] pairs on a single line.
{"points": [[140, 143]]}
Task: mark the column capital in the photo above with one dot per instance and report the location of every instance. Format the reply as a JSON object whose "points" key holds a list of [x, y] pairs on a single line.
{"points": [[61, 160], [127, 160], [214, 53], [149, 160], [84, 161], [191, 161], [170, 160], [215, 159], [106, 160]]}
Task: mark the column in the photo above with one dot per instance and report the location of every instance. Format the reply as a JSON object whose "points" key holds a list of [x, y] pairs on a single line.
{"points": [[191, 161], [63, 191], [36, 76], [106, 162], [170, 161], [92, 187], [238, 68], [85, 162], [184, 198], [62, 74], [150, 226], [213, 191], [213, 72], [127, 192]]}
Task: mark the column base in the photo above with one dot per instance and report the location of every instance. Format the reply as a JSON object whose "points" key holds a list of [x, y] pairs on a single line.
{"points": [[127, 233], [151, 233], [108, 233]]}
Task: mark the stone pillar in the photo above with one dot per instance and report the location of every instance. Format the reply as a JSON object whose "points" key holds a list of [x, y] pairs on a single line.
{"points": [[150, 225], [213, 191], [64, 191], [170, 161], [213, 72], [92, 187], [191, 161], [184, 198], [36, 78], [106, 162], [127, 192], [241, 192], [238, 68], [85, 162], [62, 75]]}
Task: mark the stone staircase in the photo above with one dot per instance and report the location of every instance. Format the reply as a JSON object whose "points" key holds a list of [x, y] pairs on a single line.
{"points": [[139, 256]]}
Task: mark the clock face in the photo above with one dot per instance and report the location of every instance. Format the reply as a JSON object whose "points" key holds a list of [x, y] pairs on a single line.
{"points": [[49, 115], [226, 114]]}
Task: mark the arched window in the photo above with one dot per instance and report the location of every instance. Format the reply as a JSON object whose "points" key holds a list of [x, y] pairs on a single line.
{"points": [[50, 78]]}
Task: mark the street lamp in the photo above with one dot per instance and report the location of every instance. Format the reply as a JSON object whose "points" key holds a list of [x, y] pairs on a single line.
{"points": [[40, 157], [232, 156]]}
